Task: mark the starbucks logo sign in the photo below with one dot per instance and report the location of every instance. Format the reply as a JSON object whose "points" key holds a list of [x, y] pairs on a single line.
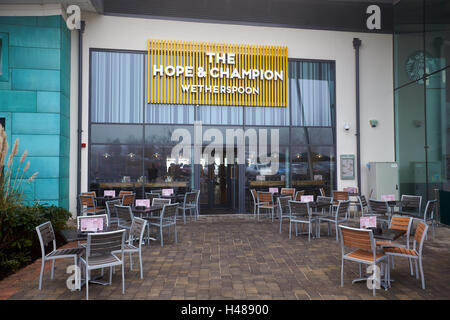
{"points": [[417, 63]]}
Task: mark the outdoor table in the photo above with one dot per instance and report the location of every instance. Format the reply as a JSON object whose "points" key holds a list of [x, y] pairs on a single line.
{"points": [[102, 200], [174, 197], [146, 210]]}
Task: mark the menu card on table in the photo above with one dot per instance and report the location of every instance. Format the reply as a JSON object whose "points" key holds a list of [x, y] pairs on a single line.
{"points": [[368, 222], [273, 190], [109, 193], [143, 203], [91, 224], [387, 197], [166, 192], [307, 198]]}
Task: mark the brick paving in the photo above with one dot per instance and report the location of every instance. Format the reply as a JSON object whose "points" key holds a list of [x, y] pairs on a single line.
{"points": [[237, 257]]}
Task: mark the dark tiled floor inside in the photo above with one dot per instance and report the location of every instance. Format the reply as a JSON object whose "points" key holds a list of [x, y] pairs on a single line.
{"points": [[237, 257]]}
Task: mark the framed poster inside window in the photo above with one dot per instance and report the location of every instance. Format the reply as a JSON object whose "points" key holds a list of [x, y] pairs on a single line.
{"points": [[347, 166]]}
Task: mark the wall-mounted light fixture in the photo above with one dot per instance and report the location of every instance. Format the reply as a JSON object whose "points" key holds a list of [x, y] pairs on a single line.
{"points": [[373, 123], [346, 126]]}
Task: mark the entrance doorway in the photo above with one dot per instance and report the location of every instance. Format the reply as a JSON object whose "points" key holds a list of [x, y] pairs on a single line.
{"points": [[219, 187]]}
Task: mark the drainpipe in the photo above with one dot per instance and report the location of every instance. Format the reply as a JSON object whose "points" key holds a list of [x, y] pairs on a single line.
{"points": [[356, 46], [80, 103]]}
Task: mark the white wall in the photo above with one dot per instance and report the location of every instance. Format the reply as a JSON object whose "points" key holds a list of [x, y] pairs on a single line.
{"points": [[377, 144]]}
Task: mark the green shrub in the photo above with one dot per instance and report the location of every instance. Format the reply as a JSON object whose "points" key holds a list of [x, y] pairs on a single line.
{"points": [[18, 237]]}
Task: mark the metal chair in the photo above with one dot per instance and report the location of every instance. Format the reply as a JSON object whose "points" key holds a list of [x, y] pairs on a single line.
{"points": [[88, 205], [428, 215], [160, 201], [128, 199], [301, 213], [288, 192], [380, 209], [125, 217], [167, 218], [197, 204], [340, 215], [46, 235], [101, 250], [366, 253], [298, 195], [339, 196], [265, 201], [415, 253], [326, 200], [363, 205], [284, 208], [138, 227], [123, 192], [189, 204], [411, 205], [255, 200], [150, 196], [111, 212]]}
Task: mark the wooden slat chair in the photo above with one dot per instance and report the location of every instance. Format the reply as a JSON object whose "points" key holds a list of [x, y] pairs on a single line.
{"points": [[128, 199], [94, 194], [265, 201], [189, 204], [111, 212], [124, 192], [167, 218], [380, 209], [125, 217], [283, 208], [103, 250], [301, 213], [298, 195], [136, 234], [363, 206], [366, 253], [46, 235], [339, 215], [88, 205], [255, 200], [415, 253], [150, 196], [288, 192], [339, 196], [403, 224], [411, 206], [160, 201]]}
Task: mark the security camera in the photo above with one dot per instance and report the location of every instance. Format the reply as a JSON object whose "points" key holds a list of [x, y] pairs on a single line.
{"points": [[346, 126]]}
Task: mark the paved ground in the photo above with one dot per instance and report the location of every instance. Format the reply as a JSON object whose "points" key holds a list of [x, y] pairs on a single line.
{"points": [[236, 257]]}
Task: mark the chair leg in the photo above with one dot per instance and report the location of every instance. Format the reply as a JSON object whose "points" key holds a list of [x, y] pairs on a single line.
{"points": [[131, 262], [140, 264], [342, 272], [309, 231], [337, 233], [87, 283], [281, 219], [42, 274], [417, 269], [184, 216], [411, 267], [175, 230], [161, 235], [290, 229], [421, 273], [123, 278], [110, 274], [53, 269]]}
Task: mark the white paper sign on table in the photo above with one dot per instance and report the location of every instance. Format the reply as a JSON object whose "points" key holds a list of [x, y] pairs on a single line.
{"points": [[143, 203], [307, 198], [91, 224], [273, 190], [368, 222], [166, 192], [109, 193], [387, 197]]}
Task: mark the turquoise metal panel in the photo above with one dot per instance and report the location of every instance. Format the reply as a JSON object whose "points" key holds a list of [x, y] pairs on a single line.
{"points": [[28, 36], [34, 58], [49, 21], [35, 123], [48, 101], [17, 101], [40, 145], [30, 79], [24, 21], [46, 189], [4, 71]]}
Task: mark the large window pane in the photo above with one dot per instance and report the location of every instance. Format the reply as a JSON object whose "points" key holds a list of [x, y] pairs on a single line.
{"points": [[117, 87], [220, 114], [116, 134], [269, 116]]}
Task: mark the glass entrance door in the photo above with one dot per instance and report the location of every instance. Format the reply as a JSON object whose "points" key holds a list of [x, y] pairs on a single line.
{"points": [[219, 186]]}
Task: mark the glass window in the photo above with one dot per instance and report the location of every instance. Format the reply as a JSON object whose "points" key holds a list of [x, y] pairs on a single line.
{"points": [[269, 116], [220, 115], [116, 134], [320, 135], [117, 87]]}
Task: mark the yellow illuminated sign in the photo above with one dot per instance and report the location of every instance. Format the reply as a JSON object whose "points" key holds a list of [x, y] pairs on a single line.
{"points": [[200, 73]]}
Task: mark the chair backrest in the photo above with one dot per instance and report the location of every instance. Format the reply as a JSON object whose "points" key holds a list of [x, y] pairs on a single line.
{"points": [[342, 209], [429, 210], [419, 236], [89, 193], [137, 230], [169, 211], [378, 207], [150, 196], [110, 208], [102, 216], [357, 238], [362, 201], [288, 192], [128, 199], [124, 213], [299, 209], [402, 223], [103, 243], [123, 192], [160, 201], [87, 201], [323, 199], [283, 204], [190, 197], [46, 235], [265, 197], [340, 195], [411, 203], [299, 194]]}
